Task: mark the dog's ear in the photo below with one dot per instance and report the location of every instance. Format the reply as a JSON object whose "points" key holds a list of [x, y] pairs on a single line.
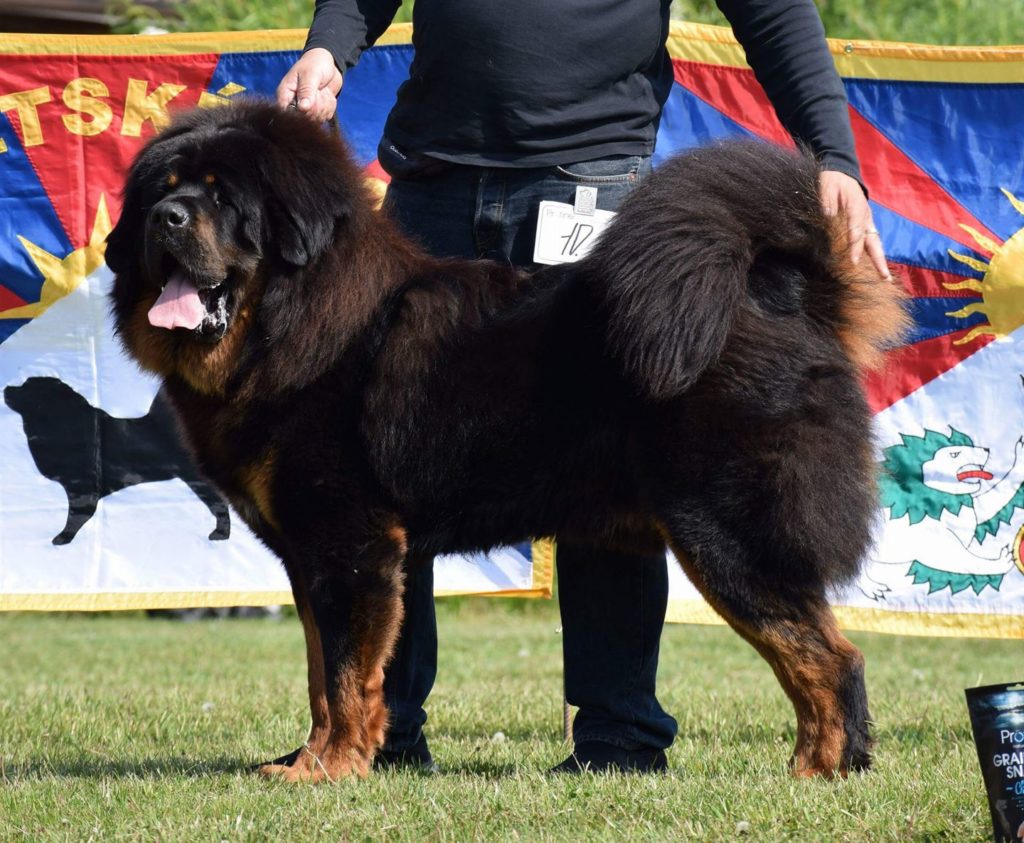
{"points": [[125, 240], [304, 208]]}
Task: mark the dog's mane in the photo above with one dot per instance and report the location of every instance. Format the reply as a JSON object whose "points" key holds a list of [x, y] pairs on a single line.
{"points": [[367, 288]]}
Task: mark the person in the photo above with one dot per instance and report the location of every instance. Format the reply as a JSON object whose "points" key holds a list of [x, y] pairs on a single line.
{"points": [[508, 104]]}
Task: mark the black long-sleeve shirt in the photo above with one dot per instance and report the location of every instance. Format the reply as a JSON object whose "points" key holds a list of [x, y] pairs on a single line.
{"points": [[545, 82]]}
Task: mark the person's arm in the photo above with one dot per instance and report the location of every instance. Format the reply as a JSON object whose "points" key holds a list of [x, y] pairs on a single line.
{"points": [[345, 28], [340, 32], [784, 42]]}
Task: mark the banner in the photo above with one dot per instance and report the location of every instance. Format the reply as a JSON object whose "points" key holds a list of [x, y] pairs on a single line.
{"points": [[100, 506], [938, 132]]}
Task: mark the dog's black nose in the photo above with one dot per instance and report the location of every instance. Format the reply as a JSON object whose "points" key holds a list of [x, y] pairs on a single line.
{"points": [[171, 215]]}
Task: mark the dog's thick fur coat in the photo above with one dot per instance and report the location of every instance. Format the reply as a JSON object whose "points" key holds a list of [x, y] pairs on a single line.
{"points": [[693, 382]]}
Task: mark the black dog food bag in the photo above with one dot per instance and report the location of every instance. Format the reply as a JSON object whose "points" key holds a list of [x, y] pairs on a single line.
{"points": [[997, 718]]}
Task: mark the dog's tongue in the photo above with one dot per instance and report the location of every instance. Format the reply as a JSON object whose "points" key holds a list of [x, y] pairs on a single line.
{"points": [[178, 305]]}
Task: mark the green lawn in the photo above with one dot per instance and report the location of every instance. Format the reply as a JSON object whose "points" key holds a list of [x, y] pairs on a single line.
{"points": [[127, 728]]}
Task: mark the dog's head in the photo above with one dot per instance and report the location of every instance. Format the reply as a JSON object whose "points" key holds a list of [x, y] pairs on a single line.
{"points": [[220, 211], [15, 398], [39, 396]]}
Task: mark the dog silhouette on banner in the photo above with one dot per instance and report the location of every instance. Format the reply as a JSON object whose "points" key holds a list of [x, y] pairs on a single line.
{"points": [[93, 454]]}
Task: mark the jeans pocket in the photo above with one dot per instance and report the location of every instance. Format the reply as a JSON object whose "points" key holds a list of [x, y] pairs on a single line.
{"points": [[619, 169]]}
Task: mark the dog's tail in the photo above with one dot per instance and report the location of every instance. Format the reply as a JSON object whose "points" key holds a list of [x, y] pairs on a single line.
{"points": [[675, 267]]}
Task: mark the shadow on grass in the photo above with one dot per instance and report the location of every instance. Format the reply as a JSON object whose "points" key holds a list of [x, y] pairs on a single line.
{"points": [[483, 769], [180, 767], [925, 734], [142, 768]]}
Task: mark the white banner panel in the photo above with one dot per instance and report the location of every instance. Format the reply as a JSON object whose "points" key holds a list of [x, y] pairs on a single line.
{"points": [[99, 505], [947, 558]]}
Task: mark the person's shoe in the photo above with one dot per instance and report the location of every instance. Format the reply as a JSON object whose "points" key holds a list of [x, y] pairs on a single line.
{"points": [[600, 757], [416, 758]]}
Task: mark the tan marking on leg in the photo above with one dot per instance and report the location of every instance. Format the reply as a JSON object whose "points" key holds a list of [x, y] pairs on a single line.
{"points": [[809, 668], [357, 713], [342, 753], [320, 728], [377, 717], [257, 480], [808, 657], [318, 708]]}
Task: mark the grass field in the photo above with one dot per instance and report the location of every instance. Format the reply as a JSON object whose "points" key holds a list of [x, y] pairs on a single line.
{"points": [[126, 728]]}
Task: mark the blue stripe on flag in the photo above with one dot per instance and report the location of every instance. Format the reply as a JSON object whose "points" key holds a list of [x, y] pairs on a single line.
{"points": [[907, 242], [688, 121], [947, 130], [930, 319], [25, 210]]}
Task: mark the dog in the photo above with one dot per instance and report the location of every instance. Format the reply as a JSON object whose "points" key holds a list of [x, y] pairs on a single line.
{"points": [[692, 382], [93, 454]]}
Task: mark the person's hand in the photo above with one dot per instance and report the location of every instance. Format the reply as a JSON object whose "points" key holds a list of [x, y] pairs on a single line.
{"points": [[841, 194], [314, 83]]}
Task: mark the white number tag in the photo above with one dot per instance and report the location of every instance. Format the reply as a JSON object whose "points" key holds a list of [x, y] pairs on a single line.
{"points": [[563, 235]]}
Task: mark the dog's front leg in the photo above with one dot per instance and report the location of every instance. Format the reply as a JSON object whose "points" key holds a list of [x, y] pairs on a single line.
{"points": [[354, 592], [320, 727]]}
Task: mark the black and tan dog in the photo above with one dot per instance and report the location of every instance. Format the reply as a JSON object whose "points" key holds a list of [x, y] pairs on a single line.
{"points": [[692, 382]]}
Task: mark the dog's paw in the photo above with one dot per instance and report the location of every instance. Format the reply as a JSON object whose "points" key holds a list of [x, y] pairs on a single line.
{"points": [[303, 765], [282, 761], [818, 773], [290, 773]]}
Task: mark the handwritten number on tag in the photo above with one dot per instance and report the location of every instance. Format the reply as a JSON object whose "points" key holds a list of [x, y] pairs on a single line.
{"points": [[575, 239]]}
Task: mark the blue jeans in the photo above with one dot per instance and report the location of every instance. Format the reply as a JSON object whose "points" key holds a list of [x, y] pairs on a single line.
{"points": [[612, 604]]}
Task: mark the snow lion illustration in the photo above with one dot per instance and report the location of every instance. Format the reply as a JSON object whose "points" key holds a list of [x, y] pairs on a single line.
{"points": [[942, 506]]}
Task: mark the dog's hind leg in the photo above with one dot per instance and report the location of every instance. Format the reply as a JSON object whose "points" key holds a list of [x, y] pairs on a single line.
{"points": [[792, 627], [768, 507]]}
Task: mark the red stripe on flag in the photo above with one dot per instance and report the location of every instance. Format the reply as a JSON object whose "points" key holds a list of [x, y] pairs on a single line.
{"points": [[894, 180], [928, 283], [82, 147], [899, 184], [910, 367], [736, 93], [375, 171], [9, 299]]}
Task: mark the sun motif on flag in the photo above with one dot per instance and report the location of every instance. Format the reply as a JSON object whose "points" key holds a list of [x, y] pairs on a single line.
{"points": [[63, 275], [1002, 284]]}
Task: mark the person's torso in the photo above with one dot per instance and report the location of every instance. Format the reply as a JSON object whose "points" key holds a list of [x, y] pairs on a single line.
{"points": [[532, 82]]}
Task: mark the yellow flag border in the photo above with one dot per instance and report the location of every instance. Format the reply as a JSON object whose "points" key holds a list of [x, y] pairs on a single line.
{"points": [[715, 45], [891, 622], [542, 555]]}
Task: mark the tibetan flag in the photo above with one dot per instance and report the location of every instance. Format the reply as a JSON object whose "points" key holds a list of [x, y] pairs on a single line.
{"points": [[938, 133]]}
